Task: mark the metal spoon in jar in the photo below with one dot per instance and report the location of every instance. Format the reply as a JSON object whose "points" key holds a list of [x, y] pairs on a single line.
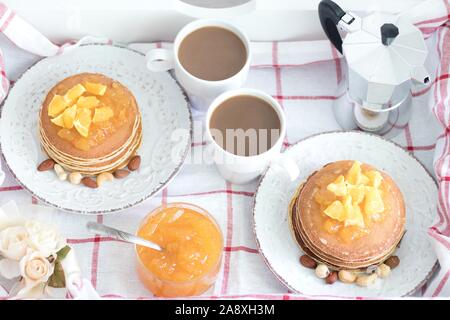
{"points": [[121, 235]]}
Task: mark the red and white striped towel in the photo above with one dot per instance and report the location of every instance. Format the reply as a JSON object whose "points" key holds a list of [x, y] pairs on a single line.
{"points": [[291, 72]]}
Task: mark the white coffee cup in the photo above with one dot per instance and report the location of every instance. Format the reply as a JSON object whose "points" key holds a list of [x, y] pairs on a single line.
{"points": [[201, 92], [243, 169]]}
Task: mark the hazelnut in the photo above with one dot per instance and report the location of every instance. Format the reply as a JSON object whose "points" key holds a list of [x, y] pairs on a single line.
{"points": [[392, 262], [331, 278], [322, 271]]}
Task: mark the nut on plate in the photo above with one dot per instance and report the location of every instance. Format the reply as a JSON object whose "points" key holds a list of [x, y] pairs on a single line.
{"points": [[332, 277], [103, 177], [346, 276], [366, 280], [308, 262], [89, 182], [46, 165], [75, 177], [383, 271], [60, 172], [121, 173], [392, 262], [135, 163], [322, 271]]}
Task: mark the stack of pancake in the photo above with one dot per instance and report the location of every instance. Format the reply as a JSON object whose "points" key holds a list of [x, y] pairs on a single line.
{"points": [[90, 123], [329, 234]]}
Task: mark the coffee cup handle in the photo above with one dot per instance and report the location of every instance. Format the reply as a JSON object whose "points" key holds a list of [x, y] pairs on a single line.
{"points": [[288, 165], [159, 60]]}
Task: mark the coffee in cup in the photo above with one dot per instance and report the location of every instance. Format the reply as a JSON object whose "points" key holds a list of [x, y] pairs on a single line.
{"points": [[212, 53], [245, 125], [208, 57], [246, 129]]}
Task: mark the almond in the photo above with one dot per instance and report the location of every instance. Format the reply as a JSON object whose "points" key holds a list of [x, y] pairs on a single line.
{"points": [[392, 262], [46, 165], [121, 173], [90, 183], [134, 163], [332, 278], [307, 262]]}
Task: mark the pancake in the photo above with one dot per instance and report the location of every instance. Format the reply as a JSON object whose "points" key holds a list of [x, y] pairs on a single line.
{"points": [[108, 141], [368, 245]]}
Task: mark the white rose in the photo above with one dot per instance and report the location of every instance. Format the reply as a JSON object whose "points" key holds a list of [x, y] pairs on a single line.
{"points": [[13, 242], [35, 270], [44, 238]]}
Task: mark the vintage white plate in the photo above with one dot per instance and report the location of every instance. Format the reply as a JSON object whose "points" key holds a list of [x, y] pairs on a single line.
{"points": [[164, 110], [278, 247]]}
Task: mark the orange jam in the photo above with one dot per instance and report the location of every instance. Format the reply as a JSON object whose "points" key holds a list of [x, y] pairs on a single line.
{"points": [[192, 249], [350, 201], [88, 112]]}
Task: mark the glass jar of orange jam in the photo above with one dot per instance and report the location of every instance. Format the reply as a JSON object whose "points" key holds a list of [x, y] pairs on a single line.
{"points": [[192, 250]]}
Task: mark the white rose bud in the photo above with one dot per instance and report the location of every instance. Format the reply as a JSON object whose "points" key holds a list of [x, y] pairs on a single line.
{"points": [[44, 238], [13, 242], [35, 270]]}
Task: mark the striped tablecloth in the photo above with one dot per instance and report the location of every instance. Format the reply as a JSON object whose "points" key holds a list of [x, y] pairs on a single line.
{"points": [[303, 77]]}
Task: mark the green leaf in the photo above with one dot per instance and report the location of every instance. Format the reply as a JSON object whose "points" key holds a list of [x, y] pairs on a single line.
{"points": [[62, 253], [57, 279]]}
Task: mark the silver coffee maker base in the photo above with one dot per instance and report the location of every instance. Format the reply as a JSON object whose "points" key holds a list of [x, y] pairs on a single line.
{"points": [[350, 116]]}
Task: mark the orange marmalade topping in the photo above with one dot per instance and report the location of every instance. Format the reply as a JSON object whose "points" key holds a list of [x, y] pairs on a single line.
{"points": [[192, 244], [88, 113], [351, 202]]}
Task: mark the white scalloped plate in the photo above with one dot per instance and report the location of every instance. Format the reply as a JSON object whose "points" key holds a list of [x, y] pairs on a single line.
{"points": [[163, 106], [278, 247]]}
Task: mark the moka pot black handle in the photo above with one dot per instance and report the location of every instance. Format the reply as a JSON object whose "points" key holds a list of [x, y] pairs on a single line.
{"points": [[330, 14]]}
